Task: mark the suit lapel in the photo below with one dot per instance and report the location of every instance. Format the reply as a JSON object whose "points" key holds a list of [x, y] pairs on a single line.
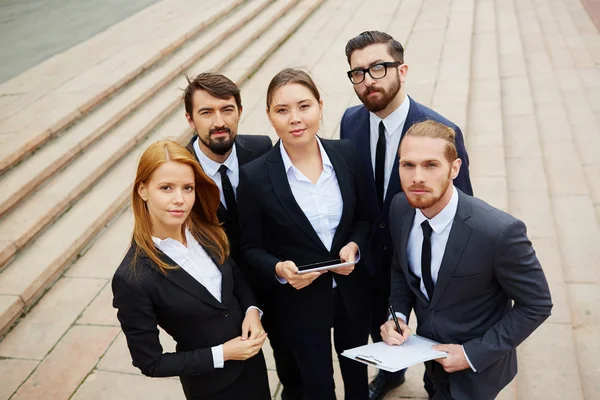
{"points": [[345, 184], [186, 282], [281, 187], [363, 143], [457, 242]]}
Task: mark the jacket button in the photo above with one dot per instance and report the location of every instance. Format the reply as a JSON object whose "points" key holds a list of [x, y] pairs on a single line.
{"points": [[432, 312], [226, 314], [382, 225], [430, 336]]}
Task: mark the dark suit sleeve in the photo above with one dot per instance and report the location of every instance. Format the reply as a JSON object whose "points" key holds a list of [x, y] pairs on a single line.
{"points": [[342, 130], [241, 289], [402, 297], [252, 246], [138, 321], [463, 180], [520, 275]]}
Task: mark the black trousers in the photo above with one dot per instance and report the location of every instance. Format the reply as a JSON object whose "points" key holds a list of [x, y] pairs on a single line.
{"points": [[437, 381], [285, 362], [380, 300], [252, 384], [312, 349]]}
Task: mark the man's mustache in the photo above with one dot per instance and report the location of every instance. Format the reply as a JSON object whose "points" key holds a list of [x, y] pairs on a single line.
{"points": [[219, 130]]}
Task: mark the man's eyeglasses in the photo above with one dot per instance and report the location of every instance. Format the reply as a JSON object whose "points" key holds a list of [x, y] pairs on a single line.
{"points": [[376, 71]]}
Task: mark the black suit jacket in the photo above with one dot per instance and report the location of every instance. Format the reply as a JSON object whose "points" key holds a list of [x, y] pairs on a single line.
{"points": [[186, 310], [248, 148], [274, 229], [355, 126], [488, 263]]}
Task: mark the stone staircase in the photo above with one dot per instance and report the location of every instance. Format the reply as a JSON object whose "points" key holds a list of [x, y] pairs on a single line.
{"points": [[520, 78], [63, 185]]}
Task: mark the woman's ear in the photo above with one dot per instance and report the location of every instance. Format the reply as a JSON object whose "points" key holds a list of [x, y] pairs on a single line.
{"points": [[142, 192]]}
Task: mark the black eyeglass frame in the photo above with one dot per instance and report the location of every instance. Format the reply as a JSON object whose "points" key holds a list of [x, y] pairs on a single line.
{"points": [[365, 71]]}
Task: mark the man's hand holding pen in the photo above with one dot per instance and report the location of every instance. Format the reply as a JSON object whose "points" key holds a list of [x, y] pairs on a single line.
{"points": [[390, 334]]}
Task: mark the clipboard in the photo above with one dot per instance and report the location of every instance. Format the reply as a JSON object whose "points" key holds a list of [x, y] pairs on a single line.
{"points": [[394, 358]]}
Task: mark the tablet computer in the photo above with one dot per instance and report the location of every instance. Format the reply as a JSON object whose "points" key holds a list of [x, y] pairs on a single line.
{"points": [[323, 265]]}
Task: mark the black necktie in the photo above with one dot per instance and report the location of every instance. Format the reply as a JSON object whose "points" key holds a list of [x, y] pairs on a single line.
{"points": [[228, 194], [380, 163], [426, 259]]}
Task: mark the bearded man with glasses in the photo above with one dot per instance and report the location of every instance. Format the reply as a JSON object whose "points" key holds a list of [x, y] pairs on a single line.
{"points": [[378, 73]]}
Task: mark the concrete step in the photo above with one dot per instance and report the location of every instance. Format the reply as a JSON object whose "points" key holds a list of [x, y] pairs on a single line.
{"points": [[26, 177], [47, 257], [39, 209], [27, 140]]}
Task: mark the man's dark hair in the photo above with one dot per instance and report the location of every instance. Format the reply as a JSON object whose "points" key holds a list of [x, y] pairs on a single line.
{"points": [[368, 38], [216, 85]]}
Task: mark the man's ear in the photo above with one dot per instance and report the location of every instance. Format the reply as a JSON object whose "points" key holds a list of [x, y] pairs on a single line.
{"points": [[190, 120], [455, 168], [142, 191], [403, 70], [240, 111]]}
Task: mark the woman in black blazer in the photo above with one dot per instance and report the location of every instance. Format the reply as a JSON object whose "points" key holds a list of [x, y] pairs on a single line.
{"points": [[177, 275], [301, 203]]}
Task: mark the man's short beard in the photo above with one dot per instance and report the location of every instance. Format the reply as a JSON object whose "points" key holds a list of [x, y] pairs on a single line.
{"points": [[423, 204], [378, 105], [219, 146]]}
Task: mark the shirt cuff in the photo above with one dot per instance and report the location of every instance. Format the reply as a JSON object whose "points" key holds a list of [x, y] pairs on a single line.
{"points": [[281, 280], [467, 357], [399, 315], [217, 353], [260, 313]]}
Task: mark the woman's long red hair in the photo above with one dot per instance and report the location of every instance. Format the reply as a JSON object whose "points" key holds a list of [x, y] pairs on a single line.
{"points": [[202, 222]]}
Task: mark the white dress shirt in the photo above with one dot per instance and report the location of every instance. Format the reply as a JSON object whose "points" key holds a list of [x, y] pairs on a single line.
{"points": [[321, 202], [441, 226], [211, 168], [194, 260], [394, 124]]}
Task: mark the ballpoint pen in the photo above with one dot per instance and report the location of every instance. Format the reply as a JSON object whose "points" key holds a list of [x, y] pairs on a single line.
{"points": [[395, 318]]}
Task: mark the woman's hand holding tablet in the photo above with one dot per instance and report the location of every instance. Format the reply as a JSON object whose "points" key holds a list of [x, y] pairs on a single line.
{"points": [[288, 271]]}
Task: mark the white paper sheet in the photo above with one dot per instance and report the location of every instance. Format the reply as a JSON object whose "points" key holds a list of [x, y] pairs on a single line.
{"points": [[395, 358]]}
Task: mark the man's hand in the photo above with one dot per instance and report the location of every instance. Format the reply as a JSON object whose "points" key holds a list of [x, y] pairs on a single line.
{"points": [[251, 326], [347, 253], [390, 334], [287, 270], [456, 360]]}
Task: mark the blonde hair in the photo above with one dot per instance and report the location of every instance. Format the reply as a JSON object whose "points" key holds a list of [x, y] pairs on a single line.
{"points": [[435, 130], [202, 222]]}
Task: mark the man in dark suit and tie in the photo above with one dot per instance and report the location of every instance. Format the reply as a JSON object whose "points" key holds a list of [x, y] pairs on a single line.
{"points": [[213, 108], [467, 269], [378, 72]]}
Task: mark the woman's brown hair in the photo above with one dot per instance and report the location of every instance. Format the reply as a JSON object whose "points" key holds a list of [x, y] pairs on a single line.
{"points": [[202, 221], [291, 75]]}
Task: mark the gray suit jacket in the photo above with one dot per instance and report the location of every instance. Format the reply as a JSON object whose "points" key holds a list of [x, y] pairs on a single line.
{"points": [[488, 262]]}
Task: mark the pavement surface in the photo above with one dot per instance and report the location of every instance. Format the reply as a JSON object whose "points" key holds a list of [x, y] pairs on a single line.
{"points": [[32, 31], [520, 77]]}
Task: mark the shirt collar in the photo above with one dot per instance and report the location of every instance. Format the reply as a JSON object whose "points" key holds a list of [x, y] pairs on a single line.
{"points": [[211, 167], [393, 121], [161, 243], [444, 218], [287, 162]]}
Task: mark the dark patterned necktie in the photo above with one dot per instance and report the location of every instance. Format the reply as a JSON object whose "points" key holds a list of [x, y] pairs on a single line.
{"points": [[380, 163], [228, 194], [426, 259]]}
